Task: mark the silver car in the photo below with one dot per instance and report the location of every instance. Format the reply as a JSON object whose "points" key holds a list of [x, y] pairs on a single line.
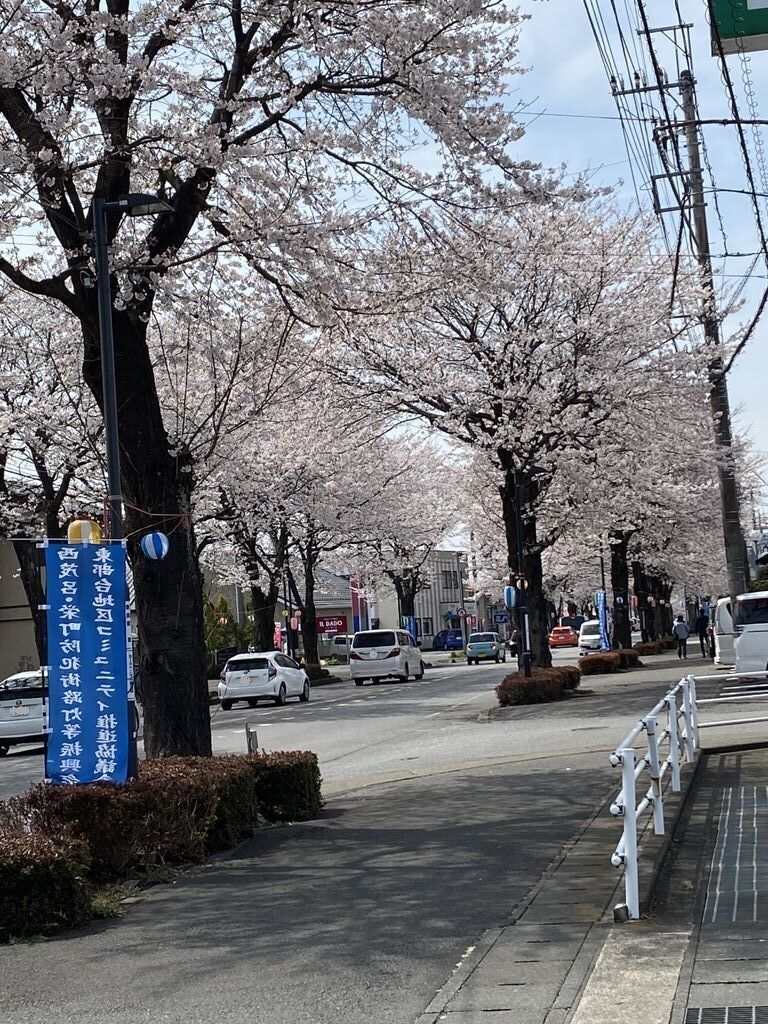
{"points": [[254, 677], [21, 710]]}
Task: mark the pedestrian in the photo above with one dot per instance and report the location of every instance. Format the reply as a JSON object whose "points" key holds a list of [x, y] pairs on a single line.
{"points": [[681, 635], [702, 626]]}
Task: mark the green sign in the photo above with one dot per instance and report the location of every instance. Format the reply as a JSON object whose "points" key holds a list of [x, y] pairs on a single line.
{"points": [[742, 24]]}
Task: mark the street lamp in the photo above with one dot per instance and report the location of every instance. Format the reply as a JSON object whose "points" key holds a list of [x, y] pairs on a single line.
{"points": [[138, 204]]}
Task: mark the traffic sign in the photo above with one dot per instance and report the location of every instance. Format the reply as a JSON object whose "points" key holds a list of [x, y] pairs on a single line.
{"points": [[500, 617], [461, 612]]}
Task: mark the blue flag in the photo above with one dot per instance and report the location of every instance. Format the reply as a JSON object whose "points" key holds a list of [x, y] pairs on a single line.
{"points": [[88, 678], [602, 614]]}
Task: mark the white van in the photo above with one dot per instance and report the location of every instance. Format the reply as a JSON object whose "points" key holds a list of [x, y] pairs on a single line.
{"points": [[384, 654], [751, 629], [589, 636], [725, 654]]}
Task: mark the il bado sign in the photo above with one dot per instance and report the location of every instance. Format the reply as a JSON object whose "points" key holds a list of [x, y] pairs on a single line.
{"points": [[331, 623]]}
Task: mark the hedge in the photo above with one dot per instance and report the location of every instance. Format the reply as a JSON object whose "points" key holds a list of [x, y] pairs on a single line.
{"points": [[56, 842], [599, 664], [650, 647], [43, 886], [545, 685], [179, 809], [287, 785], [629, 658]]}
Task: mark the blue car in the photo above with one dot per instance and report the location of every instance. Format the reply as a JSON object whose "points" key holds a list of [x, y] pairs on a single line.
{"points": [[448, 640]]}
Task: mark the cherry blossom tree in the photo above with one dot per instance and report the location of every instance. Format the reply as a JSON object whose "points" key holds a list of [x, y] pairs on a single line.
{"points": [[50, 432], [274, 133], [543, 320]]}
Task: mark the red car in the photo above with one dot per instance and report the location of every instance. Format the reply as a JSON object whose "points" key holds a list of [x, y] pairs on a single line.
{"points": [[563, 636]]}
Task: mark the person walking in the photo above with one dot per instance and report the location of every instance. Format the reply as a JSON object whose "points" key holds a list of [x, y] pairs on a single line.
{"points": [[701, 626], [681, 635]]}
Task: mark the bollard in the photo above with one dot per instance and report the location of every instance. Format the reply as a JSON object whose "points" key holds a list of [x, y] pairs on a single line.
{"points": [[251, 740]]}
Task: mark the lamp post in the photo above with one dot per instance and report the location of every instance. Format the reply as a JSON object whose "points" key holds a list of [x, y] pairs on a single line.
{"points": [[135, 205], [521, 584]]}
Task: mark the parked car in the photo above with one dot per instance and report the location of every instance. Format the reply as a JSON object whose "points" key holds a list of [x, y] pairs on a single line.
{"points": [[725, 651], [563, 636], [269, 676], [21, 710], [448, 640], [751, 630], [589, 637], [485, 647], [384, 654]]}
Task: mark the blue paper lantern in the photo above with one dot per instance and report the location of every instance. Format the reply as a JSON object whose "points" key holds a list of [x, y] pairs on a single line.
{"points": [[155, 545]]}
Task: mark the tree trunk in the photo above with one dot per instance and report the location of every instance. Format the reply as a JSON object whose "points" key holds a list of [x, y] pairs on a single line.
{"points": [[531, 568], [172, 679], [264, 604], [622, 628]]}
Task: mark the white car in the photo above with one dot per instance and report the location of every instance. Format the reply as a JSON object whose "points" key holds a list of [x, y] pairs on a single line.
{"points": [[21, 710], [384, 654], [751, 629], [589, 636], [254, 677]]}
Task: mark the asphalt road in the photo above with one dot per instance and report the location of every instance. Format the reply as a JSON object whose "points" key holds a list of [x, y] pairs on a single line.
{"points": [[390, 730]]}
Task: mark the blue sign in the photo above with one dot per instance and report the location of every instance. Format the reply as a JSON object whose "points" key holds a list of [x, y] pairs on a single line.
{"points": [[602, 614], [88, 659], [510, 597], [500, 617]]}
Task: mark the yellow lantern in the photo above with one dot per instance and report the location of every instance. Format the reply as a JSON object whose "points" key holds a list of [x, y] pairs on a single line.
{"points": [[84, 531]]}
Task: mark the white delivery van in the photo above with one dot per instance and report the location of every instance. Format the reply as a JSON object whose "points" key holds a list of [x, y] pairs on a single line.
{"points": [[751, 629], [725, 654]]}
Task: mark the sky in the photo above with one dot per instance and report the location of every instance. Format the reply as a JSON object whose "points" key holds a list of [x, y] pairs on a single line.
{"points": [[567, 77]]}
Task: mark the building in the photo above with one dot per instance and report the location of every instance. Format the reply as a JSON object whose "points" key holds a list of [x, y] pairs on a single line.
{"points": [[18, 650]]}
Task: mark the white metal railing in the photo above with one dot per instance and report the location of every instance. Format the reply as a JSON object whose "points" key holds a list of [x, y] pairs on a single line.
{"points": [[679, 737]]}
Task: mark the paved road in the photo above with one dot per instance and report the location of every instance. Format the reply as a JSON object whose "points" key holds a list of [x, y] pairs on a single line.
{"points": [[392, 730]]}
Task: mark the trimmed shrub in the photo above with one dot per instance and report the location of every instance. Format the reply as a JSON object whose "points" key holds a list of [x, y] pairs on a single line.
{"points": [[629, 658], [570, 675], [544, 686], [650, 647], [42, 882], [598, 664], [287, 785], [227, 782], [131, 828]]}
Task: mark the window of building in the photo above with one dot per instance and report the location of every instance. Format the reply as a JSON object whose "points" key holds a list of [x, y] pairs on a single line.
{"points": [[450, 579]]}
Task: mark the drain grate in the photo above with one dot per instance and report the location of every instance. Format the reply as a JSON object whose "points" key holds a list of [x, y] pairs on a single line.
{"points": [[726, 1015], [737, 891]]}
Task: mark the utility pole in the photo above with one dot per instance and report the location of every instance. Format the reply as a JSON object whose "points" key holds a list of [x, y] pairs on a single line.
{"points": [[718, 389]]}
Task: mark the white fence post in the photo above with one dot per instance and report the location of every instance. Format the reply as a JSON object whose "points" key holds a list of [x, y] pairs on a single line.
{"points": [[694, 710], [688, 714], [631, 883], [674, 748], [654, 768]]}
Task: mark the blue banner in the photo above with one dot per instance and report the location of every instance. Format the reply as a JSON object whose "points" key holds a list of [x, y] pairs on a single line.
{"points": [[88, 662], [602, 614]]}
